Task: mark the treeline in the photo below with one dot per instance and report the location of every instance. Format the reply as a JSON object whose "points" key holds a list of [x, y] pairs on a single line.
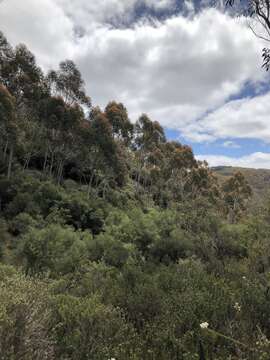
{"points": [[116, 243], [48, 124]]}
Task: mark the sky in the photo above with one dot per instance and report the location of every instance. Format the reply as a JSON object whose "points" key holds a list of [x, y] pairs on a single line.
{"points": [[194, 68]]}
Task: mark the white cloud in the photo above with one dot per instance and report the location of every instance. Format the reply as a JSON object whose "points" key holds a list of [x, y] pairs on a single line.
{"points": [[90, 13], [42, 25], [177, 70], [231, 144], [160, 4], [244, 118], [256, 160]]}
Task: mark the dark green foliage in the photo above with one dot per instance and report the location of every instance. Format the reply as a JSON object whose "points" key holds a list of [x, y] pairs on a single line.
{"points": [[21, 224], [177, 245], [67, 82], [118, 118], [54, 249], [7, 193], [123, 245], [81, 213]]}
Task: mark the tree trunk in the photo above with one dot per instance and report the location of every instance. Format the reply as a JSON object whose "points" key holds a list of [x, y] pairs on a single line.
{"points": [[60, 172], [5, 150], [51, 166], [90, 183], [104, 188], [232, 212], [27, 161], [45, 160], [10, 162]]}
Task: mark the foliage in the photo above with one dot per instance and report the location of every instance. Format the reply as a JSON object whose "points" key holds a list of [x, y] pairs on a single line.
{"points": [[54, 249], [24, 317], [117, 243]]}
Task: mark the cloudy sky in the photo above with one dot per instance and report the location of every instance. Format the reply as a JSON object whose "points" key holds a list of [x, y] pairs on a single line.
{"points": [[193, 68]]}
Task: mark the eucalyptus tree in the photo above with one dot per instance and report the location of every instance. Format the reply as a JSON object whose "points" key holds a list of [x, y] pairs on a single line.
{"points": [[62, 134], [122, 128], [67, 83], [112, 153], [149, 135], [24, 80], [203, 183], [236, 193], [258, 14], [7, 126]]}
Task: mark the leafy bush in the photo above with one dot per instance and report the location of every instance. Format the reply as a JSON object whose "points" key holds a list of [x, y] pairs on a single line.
{"points": [[98, 331], [54, 249], [24, 317]]}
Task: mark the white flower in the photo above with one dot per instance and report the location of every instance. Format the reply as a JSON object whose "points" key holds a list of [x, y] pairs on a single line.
{"points": [[237, 306], [204, 325], [243, 277]]}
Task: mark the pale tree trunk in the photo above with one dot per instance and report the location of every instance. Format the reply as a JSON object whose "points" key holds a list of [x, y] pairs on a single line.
{"points": [[231, 216], [27, 161], [232, 212], [5, 150], [60, 172], [10, 161], [51, 166], [45, 160], [90, 184]]}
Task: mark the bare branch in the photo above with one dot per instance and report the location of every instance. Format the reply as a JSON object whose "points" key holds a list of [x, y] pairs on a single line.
{"points": [[256, 34]]}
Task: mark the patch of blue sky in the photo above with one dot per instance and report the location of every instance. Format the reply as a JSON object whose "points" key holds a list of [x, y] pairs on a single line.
{"points": [[251, 90], [233, 147]]}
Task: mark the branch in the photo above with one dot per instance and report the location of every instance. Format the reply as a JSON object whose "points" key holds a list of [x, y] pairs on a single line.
{"points": [[256, 34]]}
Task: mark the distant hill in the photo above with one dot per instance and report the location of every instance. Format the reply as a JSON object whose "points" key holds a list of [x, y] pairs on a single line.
{"points": [[259, 179]]}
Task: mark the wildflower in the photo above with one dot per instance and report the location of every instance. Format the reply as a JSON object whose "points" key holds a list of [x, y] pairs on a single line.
{"points": [[237, 307], [243, 277], [204, 325]]}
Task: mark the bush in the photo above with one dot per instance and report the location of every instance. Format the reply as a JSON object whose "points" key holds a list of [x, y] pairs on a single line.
{"points": [[22, 223], [54, 249], [87, 329], [82, 213], [24, 317]]}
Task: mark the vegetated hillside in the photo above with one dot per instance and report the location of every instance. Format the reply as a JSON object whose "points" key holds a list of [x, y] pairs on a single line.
{"points": [[258, 179], [116, 243]]}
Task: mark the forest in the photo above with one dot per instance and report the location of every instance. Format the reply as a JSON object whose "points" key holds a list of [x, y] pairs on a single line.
{"points": [[115, 242]]}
